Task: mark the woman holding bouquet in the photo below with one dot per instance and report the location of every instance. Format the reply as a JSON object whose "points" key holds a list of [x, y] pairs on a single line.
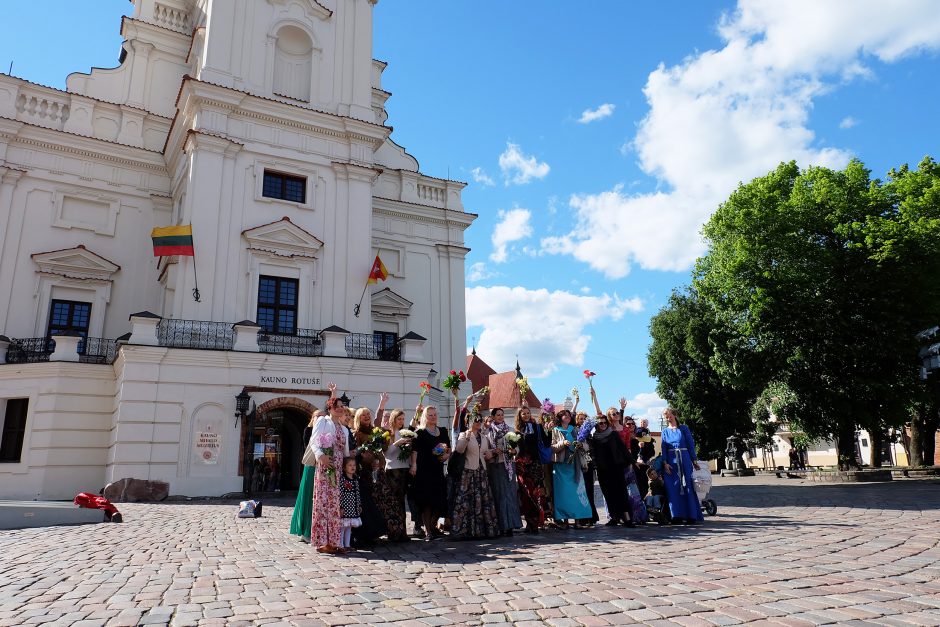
{"points": [[501, 473], [368, 460], [624, 431], [393, 480], [589, 470], [331, 446], [429, 454], [571, 500], [529, 470], [474, 515]]}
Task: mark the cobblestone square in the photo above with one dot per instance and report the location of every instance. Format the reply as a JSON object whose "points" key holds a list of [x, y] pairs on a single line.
{"points": [[780, 552]]}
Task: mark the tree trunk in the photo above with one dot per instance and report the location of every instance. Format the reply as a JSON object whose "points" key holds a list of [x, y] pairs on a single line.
{"points": [[876, 439], [917, 437], [929, 445], [845, 446]]}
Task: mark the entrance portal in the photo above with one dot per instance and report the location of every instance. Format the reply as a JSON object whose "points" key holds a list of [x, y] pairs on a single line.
{"points": [[275, 446]]}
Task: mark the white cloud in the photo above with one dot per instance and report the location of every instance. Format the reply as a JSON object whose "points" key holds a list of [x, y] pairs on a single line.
{"points": [[590, 115], [848, 122], [478, 272], [519, 168], [513, 226], [728, 115], [481, 177], [545, 329], [647, 405]]}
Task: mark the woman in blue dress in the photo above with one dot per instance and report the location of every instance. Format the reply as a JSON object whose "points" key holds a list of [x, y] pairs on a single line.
{"points": [[679, 460], [571, 501]]}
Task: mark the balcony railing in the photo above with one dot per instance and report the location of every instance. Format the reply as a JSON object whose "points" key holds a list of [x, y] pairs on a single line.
{"points": [[306, 343], [30, 350], [97, 350], [363, 346], [217, 336]]}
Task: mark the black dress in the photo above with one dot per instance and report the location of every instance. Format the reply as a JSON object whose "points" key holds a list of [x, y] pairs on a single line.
{"points": [[611, 457], [430, 486]]}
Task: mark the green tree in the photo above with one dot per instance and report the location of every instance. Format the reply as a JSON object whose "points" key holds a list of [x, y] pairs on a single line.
{"points": [[821, 280], [679, 358]]}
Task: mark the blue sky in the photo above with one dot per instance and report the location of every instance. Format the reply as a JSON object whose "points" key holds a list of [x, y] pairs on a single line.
{"points": [[596, 142]]}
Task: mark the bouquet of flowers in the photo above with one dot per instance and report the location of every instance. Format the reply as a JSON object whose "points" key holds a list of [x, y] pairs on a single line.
{"points": [[512, 441], [404, 451], [523, 384], [574, 393], [325, 443], [483, 391], [377, 441], [589, 375], [440, 450], [425, 388], [453, 381], [586, 428]]}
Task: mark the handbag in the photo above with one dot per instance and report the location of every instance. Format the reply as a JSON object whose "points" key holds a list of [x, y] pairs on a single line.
{"points": [[310, 455], [546, 454]]}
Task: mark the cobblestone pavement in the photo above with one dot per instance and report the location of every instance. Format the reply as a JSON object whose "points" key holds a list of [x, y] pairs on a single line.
{"points": [[779, 552]]}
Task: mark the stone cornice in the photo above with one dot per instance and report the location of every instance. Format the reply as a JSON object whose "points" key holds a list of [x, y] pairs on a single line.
{"points": [[403, 210]]}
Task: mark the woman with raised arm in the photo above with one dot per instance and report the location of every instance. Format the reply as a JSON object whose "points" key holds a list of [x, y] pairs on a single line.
{"points": [[589, 472], [393, 480], [678, 461], [302, 517], [431, 451], [610, 458], [367, 462], [455, 463], [330, 443], [529, 470], [501, 473], [636, 508], [474, 515]]}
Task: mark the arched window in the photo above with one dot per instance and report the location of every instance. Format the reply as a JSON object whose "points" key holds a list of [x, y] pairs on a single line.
{"points": [[293, 64]]}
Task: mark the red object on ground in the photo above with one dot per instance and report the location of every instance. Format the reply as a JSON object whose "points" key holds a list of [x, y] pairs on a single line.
{"points": [[93, 501]]}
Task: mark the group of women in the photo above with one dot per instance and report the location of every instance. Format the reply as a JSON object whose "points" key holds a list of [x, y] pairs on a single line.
{"points": [[485, 478]]}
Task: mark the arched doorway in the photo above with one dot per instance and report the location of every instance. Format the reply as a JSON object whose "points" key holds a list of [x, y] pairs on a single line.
{"points": [[276, 445]]}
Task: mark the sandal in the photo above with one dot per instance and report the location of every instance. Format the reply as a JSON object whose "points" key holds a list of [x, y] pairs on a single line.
{"points": [[328, 549]]}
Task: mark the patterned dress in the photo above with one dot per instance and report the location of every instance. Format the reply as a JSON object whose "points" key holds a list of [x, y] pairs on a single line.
{"points": [[350, 501], [326, 529], [391, 491], [529, 477], [474, 512]]}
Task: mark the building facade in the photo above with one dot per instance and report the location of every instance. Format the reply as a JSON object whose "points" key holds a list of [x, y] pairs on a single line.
{"points": [[262, 124]]}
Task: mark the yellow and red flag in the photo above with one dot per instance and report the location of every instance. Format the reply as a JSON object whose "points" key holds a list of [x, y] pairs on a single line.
{"points": [[379, 271], [173, 240]]}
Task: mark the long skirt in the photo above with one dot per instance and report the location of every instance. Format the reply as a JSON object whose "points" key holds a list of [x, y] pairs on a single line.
{"points": [[474, 512], [588, 475], [548, 506], [326, 529], [373, 522], [614, 488], [390, 498], [506, 496], [531, 491], [571, 500], [683, 502], [634, 498], [302, 519]]}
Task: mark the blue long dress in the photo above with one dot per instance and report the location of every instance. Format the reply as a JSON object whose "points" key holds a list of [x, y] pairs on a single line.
{"points": [[679, 452], [571, 499]]}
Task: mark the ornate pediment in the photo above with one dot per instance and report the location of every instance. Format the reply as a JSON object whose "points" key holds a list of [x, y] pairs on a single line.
{"points": [[311, 7], [284, 239], [388, 303], [76, 263]]}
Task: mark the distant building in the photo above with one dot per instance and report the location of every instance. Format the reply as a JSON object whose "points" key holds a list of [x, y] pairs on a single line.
{"points": [[263, 125], [503, 390]]}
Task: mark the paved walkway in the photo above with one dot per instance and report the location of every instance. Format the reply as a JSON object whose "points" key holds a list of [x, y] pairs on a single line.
{"points": [[780, 552]]}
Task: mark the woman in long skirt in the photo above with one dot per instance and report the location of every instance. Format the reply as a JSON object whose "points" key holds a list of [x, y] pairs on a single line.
{"points": [[529, 471], [430, 452], [393, 480], [373, 523], [501, 472], [331, 445], [571, 500], [474, 512], [610, 458], [589, 472], [302, 518], [678, 461]]}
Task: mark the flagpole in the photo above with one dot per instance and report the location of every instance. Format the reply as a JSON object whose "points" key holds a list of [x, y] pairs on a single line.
{"points": [[196, 295], [356, 308]]}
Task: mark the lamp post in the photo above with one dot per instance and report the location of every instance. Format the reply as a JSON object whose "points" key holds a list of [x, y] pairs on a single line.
{"points": [[241, 405], [345, 400]]}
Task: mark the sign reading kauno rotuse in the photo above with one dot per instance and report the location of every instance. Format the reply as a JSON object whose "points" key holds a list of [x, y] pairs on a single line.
{"points": [[289, 379]]}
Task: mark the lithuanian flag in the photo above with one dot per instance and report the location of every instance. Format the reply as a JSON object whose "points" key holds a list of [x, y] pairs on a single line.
{"points": [[173, 240]]}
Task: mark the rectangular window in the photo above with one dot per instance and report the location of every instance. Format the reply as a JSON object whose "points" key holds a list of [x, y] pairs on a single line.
{"points": [[277, 305], [284, 187], [386, 345], [14, 430], [69, 317]]}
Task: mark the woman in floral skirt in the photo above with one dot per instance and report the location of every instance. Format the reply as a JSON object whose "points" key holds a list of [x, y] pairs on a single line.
{"points": [[331, 446], [474, 513], [529, 471], [393, 480]]}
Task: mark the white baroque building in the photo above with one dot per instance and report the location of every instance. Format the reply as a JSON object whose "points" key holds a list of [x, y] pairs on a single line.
{"points": [[262, 124]]}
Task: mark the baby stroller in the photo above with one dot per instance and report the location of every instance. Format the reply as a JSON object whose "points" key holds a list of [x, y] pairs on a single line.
{"points": [[702, 481]]}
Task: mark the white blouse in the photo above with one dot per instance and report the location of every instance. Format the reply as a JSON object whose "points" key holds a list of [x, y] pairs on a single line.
{"points": [[323, 425], [391, 455]]}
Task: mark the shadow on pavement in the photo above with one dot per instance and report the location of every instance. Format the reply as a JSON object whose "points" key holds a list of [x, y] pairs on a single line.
{"points": [[889, 495]]}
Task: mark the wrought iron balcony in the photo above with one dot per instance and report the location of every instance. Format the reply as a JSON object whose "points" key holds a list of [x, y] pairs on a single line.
{"points": [[198, 334], [30, 350], [97, 350], [306, 343], [364, 346]]}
